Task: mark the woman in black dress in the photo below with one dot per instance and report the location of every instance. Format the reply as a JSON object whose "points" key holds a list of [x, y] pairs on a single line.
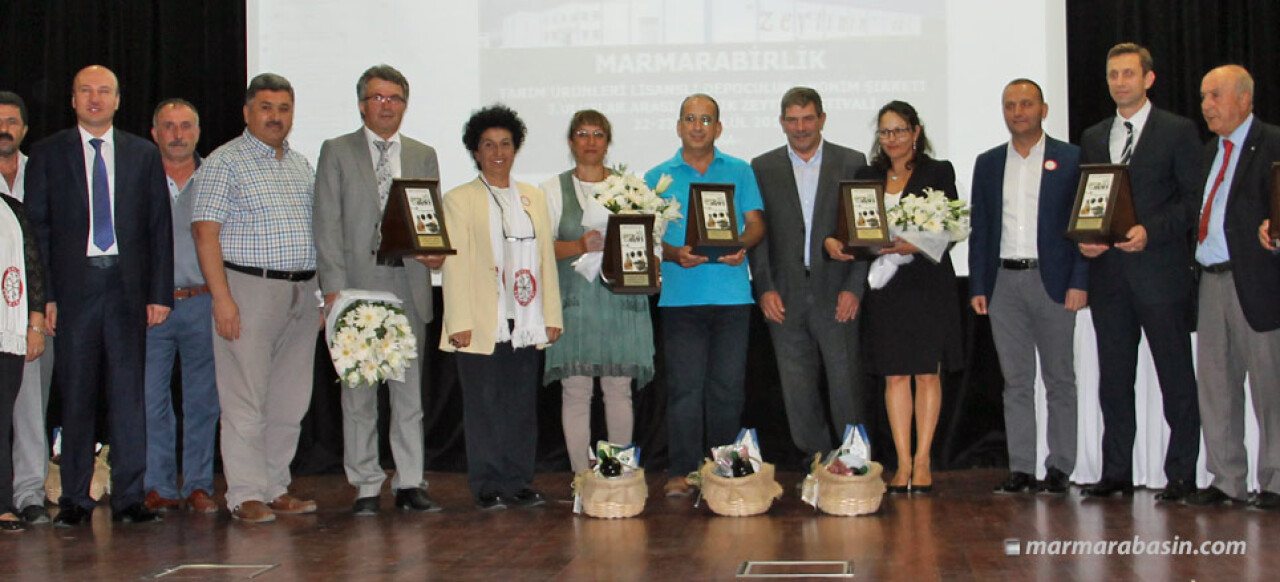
{"points": [[911, 326]]}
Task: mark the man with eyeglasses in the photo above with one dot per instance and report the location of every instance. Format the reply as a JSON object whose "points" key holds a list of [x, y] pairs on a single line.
{"points": [[705, 305], [252, 223], [810, 301], [353, 182], [1143, 286]]}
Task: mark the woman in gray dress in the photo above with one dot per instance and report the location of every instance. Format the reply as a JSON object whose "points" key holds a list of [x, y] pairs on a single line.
{"points": [[606, 336]]}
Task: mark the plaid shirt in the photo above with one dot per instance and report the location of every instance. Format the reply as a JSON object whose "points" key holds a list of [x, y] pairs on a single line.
{"points": [[263, 203]]}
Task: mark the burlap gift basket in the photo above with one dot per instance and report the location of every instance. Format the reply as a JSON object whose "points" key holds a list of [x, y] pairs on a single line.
{"points": [[741, 496], [843, 494], [611, 497]]}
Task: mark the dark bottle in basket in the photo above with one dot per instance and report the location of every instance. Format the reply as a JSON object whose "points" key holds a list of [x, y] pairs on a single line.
{"points": [[610, 467], [740, 466]]}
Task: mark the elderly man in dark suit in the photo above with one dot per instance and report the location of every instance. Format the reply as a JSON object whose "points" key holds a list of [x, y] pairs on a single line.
{"points": [[100, 206], [1144, 284], [809, 300], [1239, 326], [1022, 196], [353, 181]]}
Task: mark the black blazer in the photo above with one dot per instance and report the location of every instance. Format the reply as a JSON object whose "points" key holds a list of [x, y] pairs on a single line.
{"points": [[928, 173], [1256, 270], [57, 200], [1166, 192], [777, 262], [1062, 266]]}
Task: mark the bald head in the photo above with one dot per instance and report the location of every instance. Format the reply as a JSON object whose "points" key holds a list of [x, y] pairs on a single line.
{"points": [[1226, 98], [95, 95]]}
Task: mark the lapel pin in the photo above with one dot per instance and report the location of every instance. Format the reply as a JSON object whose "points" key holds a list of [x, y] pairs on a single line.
{"points": [[1050, 165]]}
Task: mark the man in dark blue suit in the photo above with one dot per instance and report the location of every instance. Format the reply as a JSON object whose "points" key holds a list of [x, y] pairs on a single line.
{"points": [[1144, 284], [1031, 280], [99, 204]]}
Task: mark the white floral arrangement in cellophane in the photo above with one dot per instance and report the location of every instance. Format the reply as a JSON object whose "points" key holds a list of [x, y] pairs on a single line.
{"points": [[371, 341], [626, 193], [939, 219]]}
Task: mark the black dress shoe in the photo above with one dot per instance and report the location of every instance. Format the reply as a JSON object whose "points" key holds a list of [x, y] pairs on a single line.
{"points": [[1176, 490], [365, 506], [897, 489], [14, 525], [1267, 500], [525, 498], [71, 516], [1018, 482], [136, 513], [34, 514], [1055, 482], [416, 499], [1107, 488], [1207, 497], [490, 502]]}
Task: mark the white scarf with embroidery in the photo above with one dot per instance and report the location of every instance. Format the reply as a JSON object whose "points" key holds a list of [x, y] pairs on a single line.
{"points": [[13, 277], [521, 274]]}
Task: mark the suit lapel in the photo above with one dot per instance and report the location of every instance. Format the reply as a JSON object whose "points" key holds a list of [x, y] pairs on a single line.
{"points": [[1151, 129], [786, 180], [358, 146], [1248, 152], [75, 159]]}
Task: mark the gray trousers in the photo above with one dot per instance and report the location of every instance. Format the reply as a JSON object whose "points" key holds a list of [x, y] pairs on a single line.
{"points": [[264, 383], [575, 414], [808, 341], [1026, 322], [30, 437], [1227, 351], [360, 409]]}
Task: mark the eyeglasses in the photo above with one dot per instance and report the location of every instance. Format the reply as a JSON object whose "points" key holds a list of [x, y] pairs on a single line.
{"points": [[706, 120], [894, 133], [393, 99], [584, 134]]}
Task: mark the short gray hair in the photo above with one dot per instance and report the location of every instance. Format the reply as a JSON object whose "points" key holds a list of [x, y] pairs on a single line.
{"points": [[385, 72], [267, 82]]}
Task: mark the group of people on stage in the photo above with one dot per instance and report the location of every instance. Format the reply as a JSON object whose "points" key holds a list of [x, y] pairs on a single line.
{"points": [[99, 258]]}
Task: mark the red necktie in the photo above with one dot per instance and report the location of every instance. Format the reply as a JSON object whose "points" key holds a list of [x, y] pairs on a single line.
{"points": [[1208, 205]]}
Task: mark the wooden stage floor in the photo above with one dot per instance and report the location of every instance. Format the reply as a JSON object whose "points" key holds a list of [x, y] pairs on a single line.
{"points": [[957, 533]]}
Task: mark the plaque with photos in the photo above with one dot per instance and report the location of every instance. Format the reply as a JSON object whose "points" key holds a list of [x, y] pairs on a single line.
{"points": [[413, 222], [1274, 229], [713, 225], [629, 266], [861, 223], [1103, 210]]}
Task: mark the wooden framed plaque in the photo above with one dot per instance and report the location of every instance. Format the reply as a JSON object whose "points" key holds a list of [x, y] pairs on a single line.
{"points": [[1274, 229], [629, 266], [861, 223], [1103, 211], [713, 225], [413, 223]]}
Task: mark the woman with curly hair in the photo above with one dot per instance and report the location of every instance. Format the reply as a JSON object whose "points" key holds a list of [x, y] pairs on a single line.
{"points": [[501, 305]]}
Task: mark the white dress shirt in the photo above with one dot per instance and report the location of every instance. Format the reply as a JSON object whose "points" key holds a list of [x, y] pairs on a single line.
{"points": [[1021, 202], [393, 152], [17, 192], [806, 174], [1120, 134], [109, 159]]}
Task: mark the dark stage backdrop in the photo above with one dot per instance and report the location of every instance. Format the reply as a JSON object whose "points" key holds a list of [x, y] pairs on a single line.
{"points": [[196, 49]]}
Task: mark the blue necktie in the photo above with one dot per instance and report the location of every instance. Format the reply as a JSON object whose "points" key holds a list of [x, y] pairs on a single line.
{"points": [[104, 234]]}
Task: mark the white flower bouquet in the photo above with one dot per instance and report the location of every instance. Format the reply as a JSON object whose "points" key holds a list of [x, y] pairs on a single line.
{"points": [[369, 337], [625, 193], [930, 222]]}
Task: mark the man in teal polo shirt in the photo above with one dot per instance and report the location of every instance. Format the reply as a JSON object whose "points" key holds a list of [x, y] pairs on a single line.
{"points": [[705, 304]]}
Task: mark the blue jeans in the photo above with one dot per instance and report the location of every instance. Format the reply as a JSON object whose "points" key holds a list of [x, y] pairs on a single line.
{"points": [[706, 359], [187, 332]]}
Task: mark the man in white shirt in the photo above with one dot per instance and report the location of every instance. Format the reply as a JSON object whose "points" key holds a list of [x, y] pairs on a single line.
{"points": [[1022, 197]]}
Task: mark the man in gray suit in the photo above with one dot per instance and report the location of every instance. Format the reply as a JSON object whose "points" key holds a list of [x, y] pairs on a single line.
{"points": [[809, 299], [353, 180]]}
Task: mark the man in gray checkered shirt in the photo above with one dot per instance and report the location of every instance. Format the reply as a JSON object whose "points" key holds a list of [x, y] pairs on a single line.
{"points": [[252, 225]]}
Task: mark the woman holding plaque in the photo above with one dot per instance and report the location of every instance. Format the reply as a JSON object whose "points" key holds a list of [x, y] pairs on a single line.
{"points": [[610, 336], [911, 325], [21, 333], [501, 305]]}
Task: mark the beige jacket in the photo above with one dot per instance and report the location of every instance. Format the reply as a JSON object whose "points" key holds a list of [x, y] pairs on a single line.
{"points": [[470, 289]]}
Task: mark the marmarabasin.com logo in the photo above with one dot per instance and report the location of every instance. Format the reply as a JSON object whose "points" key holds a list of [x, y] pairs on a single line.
{"points": [[1135, 547]]}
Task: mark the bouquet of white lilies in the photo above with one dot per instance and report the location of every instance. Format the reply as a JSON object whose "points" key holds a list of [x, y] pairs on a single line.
{"points": [[369, 338]]}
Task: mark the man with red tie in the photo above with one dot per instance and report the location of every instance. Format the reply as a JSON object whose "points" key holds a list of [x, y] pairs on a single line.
{"points": [[1239, 325]]}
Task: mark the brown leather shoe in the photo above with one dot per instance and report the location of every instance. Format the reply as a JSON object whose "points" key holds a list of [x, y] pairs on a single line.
{"points": [[677, 487], [253, 512], [155, 502], [200, 502], [290, 505]]}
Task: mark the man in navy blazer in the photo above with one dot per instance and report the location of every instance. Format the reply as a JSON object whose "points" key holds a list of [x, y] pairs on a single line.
{"points": [[1239, 325], [100, 207], [1031, 280], [1144, 284]]}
